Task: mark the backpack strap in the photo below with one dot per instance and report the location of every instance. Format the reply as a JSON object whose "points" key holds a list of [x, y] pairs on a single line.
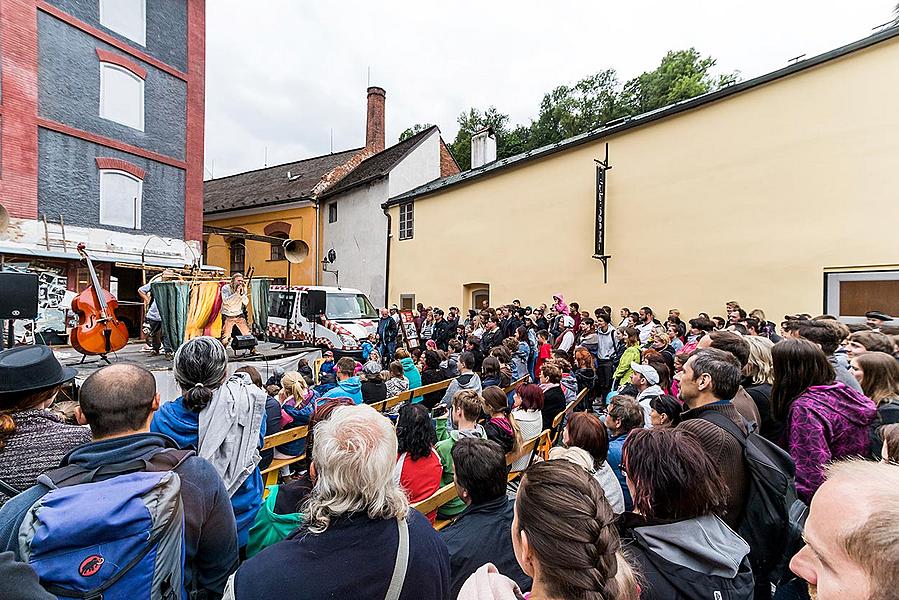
{"points": [[725, 423], [402, 561], [167, 460], [8, 490]]}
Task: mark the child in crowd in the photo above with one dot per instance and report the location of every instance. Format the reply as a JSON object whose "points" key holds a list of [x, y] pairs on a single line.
{"points": [[305, 370], [368, 345], [397, 384], [327, 367], [544, 349]]}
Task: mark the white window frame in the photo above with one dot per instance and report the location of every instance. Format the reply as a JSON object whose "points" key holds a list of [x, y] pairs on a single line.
{"points": [[332, 211], [104, 67], [138, 206], [141, 37], [407, 221]]}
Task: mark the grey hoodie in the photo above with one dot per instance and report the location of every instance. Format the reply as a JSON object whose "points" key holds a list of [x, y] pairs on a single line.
{"points": [[465, 381], [696, 558]]}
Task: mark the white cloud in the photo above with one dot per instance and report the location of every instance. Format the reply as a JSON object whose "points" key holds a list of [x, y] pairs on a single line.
{"points": [[283, 74]]}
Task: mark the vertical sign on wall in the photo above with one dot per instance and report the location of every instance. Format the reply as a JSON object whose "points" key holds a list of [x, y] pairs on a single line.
{"points": [[600, 249]]}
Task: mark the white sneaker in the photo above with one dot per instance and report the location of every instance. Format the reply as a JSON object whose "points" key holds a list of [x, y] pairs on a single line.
{"points": [[146, 348]]}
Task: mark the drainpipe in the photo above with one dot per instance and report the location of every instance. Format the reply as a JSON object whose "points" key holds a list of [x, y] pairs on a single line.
{"points": [[387, 264], [317, 239]]}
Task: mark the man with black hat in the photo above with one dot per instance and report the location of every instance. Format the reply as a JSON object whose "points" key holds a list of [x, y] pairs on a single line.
{"points": [[876, 319], [32, 439]]}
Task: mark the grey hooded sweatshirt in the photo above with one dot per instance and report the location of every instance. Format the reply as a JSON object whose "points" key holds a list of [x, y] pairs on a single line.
{"points": [[694, 559]]}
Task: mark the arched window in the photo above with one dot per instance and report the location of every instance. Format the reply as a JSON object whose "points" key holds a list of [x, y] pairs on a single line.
{"points": [[121, 96], [238, 256], [120, 199], [278, 247]]}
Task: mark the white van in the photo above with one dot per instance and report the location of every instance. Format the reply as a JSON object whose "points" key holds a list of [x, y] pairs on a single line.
{"points": [[349, 318]]}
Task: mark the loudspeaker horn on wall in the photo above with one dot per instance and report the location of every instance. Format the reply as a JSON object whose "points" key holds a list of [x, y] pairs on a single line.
{"points": [[295, 251]]}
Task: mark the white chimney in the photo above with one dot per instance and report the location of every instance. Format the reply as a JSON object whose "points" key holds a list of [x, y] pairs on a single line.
{"points": [[483, 148]]}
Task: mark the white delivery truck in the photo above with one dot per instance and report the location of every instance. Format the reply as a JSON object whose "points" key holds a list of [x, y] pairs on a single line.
{"points": [[348, 318]]}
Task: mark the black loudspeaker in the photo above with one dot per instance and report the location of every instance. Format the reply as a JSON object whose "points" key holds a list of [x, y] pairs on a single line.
{"points": [[317, 301], [18, 299], [243, 342]]}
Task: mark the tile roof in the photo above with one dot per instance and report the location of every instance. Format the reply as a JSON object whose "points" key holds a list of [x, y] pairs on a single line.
{"points": [[268, 186], [380, 164], [626, 123]]}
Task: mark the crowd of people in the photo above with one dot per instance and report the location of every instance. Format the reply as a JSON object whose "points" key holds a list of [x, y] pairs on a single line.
{"points": [[718, 457]]}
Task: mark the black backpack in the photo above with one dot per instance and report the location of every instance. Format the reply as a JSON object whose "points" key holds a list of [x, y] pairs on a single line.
{"points": [[766, 523]]}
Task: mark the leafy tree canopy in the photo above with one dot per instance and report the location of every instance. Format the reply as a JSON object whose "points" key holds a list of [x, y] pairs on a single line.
{"points": [[590, 103], [415, 129]]}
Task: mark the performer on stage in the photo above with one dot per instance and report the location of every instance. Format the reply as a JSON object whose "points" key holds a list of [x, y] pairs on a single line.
{"points": [[234, 299]]}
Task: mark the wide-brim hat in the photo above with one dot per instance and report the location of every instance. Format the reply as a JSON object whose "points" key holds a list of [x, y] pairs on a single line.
{"points": [[28, 368]]}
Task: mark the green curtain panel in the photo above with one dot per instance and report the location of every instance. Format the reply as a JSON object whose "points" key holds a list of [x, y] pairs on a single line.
{"points": [[172, 300], [259, 295]]}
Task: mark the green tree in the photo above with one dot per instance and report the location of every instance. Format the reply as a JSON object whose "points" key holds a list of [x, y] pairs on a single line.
{"points": [[415, 129], [470, 123], [593, 102], [682, 75]]}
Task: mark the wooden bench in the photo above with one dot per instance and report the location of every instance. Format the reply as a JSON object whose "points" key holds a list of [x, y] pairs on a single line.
{"points": [[514, 385], [557, 421], [448, 492]]}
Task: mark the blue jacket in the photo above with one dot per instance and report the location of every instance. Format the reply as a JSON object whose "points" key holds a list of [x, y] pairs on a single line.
{"points": [[348, 388], [614, 459], [210, 534], [367, 347], [411, 373], [353, 558], [176, 421]]}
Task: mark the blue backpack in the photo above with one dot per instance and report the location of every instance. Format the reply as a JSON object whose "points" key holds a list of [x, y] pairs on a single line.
{"points": [[111, 533]]}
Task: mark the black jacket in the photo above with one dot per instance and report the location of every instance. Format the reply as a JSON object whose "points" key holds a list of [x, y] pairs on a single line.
{"points": [[373, 391], [553, 404], [443, 331], [481, 535], [272, 425], [491, 339], [388, 330], [429, 376]]}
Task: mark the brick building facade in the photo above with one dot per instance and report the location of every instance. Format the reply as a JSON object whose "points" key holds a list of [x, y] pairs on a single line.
{"points": [[101, 138]]}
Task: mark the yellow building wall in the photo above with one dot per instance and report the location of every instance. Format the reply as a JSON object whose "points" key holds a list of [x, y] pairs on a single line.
{"points": [[258, 254], [750, 198]]}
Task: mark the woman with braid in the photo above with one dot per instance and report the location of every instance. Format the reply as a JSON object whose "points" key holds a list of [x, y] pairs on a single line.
{"points": [[675, 535], [564, 538]]}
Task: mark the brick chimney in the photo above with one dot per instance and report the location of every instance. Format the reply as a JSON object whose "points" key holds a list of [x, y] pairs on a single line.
{"points": [[374, 125]]}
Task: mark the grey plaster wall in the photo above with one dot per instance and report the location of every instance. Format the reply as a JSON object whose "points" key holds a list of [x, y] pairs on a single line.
{"points": [[69, 91], [166, 27], [69, 185]]}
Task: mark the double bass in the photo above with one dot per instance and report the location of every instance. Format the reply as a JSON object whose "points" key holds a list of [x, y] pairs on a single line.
{"points": [[98, 330]]}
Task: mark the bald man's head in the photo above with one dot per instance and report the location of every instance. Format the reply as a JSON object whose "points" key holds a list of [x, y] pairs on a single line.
{"points": [[118, 400], [852, 533]]}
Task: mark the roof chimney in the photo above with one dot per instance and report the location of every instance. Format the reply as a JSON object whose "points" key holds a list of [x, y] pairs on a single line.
{"points": [[374, 125], [483, 148]]}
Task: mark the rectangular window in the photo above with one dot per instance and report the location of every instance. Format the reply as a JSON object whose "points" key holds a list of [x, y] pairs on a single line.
{"points": [[851, 294], [407, 301], [277, 252], [238, 257], [332, 212], [121, 96], [407, 218], [120, 199], [125, 17]]}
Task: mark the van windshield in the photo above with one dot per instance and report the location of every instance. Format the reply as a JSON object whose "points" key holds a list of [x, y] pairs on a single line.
{"points": [[349, 306]]}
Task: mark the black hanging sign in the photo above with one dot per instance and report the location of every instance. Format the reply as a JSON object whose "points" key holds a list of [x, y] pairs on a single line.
{"points": [[600, 250]]}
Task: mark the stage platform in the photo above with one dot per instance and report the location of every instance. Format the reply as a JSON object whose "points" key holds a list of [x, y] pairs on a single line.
{"points": [[268, 357]]}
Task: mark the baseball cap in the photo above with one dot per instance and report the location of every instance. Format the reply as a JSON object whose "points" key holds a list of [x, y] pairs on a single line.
{"points": [[648, 372]]}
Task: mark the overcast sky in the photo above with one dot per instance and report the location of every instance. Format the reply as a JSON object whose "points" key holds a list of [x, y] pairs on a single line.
{"points": [[281, 75]]}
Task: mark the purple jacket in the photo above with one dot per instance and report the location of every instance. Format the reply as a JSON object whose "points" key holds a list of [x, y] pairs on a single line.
{"points": [[825, 423]]}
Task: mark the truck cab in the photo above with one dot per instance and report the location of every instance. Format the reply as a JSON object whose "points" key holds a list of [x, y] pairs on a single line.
{"points": [[349, 318]]}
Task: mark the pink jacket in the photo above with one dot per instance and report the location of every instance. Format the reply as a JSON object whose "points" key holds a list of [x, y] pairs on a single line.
{"points": [[489, 584], [560, 306]]}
